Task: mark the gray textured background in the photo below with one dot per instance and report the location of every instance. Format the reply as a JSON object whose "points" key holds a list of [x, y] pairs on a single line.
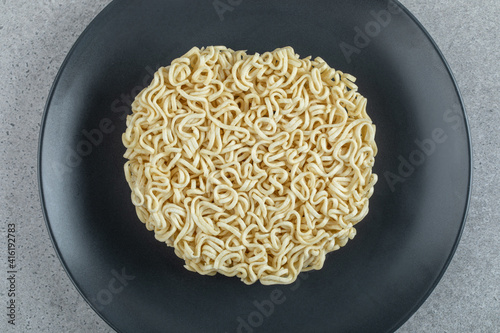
{"points": [[35, 36]]}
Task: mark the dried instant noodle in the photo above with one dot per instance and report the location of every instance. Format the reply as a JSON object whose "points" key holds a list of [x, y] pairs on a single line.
{"points": [[253, 166]]}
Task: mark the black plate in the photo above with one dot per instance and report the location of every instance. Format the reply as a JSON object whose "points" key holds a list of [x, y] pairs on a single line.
{"points": [[373, 284]]}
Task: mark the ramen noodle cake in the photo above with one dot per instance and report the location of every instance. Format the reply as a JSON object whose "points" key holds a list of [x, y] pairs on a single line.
{"points": [[250, 165]]}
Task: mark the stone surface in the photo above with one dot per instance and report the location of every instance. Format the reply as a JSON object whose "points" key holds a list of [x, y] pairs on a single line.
{"points": [[35, 36]]}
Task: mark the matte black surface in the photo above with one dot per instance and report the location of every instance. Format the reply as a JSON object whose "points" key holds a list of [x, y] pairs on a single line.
{"points": [[372, 285]]}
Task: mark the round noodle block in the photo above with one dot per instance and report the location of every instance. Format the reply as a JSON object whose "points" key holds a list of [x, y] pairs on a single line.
{"points": [[250, 165]]}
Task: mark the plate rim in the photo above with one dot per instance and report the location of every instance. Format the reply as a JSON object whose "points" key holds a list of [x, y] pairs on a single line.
{"points": [[426, 295], [48, 103]]}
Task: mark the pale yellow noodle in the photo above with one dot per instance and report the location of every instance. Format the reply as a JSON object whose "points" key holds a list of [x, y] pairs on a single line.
{"points": [[253, 166]]}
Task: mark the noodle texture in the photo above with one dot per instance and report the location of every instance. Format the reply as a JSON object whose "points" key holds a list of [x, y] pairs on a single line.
{"points": [[250, 165]]}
